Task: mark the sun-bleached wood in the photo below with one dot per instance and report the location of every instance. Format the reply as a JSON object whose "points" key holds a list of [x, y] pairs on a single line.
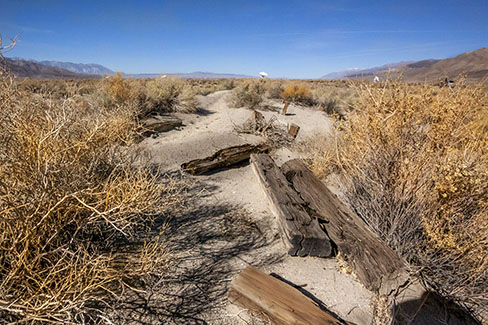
{"points": [[301, 232], [293, 130], [376, 265], [223, 158], [157, 124], [285, 108], [280, 302]]}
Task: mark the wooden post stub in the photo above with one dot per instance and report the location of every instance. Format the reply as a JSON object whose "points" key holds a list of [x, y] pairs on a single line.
{"points": [[293, 130], [285, 108]]}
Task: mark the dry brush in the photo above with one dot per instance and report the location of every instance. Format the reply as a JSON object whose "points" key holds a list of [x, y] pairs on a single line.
{"points": [[71, 202], [413, 163]]}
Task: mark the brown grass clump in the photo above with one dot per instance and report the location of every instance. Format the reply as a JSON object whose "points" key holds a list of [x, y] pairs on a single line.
{"points": [[335, 100], [118, 88], [70, 199], [274, 88], [249, 94], [170, 95], [413, 162], [297, 93]]}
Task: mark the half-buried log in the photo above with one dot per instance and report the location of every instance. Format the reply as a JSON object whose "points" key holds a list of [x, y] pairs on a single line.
{"points": [[300, 231], [280, 302], [376, 265], [223, 158], [157, 124]]}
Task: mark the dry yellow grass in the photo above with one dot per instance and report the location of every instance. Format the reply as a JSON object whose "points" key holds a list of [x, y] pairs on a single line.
{"points": [[249, 94], [413, 162], [297, 92], [171, 95], [69, 196]]}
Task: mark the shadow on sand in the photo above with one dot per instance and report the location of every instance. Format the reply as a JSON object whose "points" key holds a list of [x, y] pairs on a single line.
{"points": [[208, 242], [430, 308]]}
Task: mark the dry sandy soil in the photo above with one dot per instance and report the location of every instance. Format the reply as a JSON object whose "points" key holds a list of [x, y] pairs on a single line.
{"points": [[227, 225]]}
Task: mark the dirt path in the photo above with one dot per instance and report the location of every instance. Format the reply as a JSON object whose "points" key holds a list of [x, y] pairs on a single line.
{"points": [[227, 225]]}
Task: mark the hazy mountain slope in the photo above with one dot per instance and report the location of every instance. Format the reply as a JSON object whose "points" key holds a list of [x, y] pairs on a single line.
{"points": [[23, 69], [91, 68], [79, 67], [473, 64], [359, 71], [195, 75]]}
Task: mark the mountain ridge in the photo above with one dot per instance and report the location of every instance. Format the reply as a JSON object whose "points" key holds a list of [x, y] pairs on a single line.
{"points": [[31, 69], [357, 71], [473, 65], [82, 68]]}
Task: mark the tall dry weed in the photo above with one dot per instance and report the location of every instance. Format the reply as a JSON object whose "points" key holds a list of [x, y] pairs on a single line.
{"points": [[71, 203], [249, 94], [298, 93], [170, 95], [413, 163]]}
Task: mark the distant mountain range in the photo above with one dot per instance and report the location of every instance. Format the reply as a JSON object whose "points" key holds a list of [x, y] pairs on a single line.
{"points": [[37, 69], [194, 75], [82, 68], [473, 65], [31, 69], [358, 71]]}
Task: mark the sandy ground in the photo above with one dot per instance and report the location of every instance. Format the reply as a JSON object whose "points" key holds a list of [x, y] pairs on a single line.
{"points": [[227, 224]]}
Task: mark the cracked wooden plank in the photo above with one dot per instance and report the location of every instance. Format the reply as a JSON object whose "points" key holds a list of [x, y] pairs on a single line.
{"points": [[223, 158], [157, 124], [376, 265], [302, 232], [280, 302]]}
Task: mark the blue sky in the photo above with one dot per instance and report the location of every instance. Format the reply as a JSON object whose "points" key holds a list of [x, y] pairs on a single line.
{"points": [[286, 38]]}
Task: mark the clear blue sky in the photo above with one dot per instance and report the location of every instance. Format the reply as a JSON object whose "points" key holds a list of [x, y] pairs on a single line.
{"points": [[286, 38]]}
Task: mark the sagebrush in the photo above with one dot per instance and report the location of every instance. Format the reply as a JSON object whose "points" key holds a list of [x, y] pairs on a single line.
{"points": [[70, 199], [413, 163], [249, 94]]}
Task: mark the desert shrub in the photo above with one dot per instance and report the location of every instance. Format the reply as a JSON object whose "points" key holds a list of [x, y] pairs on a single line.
{"points": [[275, 88], [413, 163], [170, 95], [70, 199], [229, 84], [57, 88], [249, 94], [298, 93], [334, 100], [117, 87]]}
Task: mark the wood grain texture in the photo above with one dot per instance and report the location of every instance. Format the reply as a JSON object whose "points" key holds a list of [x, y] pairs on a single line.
{"points": [[157, 124], [280, 302], [376, 265], [223, 158], [302, 233], [293, 130], [285, 108]]}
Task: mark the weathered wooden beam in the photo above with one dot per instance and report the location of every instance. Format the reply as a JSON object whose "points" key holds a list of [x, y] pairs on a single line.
{"points": [[285, 108], [301, 232], [223, 158], [280, 302], [157, 124], [293, 130], [376, 265]]}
